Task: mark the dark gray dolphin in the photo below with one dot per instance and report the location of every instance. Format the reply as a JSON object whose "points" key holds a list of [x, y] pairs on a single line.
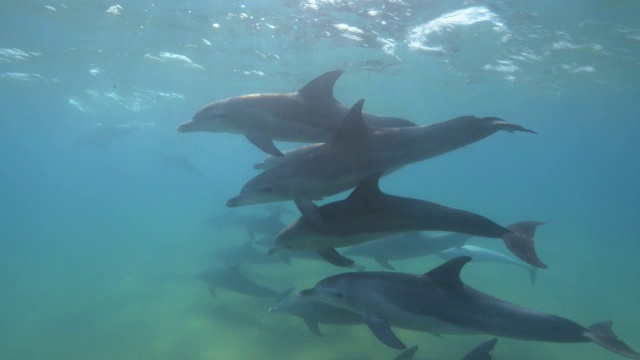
{"points": [[368, 214], [356, 151], [406, 245], [480, 352], [309, 115], [439, 302], [232, 279], [316, 312]]}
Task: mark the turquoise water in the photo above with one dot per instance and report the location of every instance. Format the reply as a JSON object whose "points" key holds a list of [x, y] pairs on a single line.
{"points": [[103, 236]]}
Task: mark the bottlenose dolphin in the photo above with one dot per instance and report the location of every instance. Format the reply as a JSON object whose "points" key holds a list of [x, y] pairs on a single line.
{"points": [[253, 223], [480, 352], [406, 245], [480, 254], [368, 214], [439, 302], [232, 279], [182, 163], [316, 312], [246, 253], [309, 115], [356, 151]]}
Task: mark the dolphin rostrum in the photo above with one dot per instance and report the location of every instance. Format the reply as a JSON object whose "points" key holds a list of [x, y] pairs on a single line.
{"points": [[309, 115], [368, 214], [356, 151], [439, 302]]}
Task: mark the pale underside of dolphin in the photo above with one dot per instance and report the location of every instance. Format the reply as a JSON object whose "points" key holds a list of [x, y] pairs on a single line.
{"points": [[369, 214], [356, 151], [310, 115], [439, 302]]}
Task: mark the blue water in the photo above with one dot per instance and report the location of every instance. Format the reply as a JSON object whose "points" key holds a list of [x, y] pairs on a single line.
{"points": [[100, 241]]}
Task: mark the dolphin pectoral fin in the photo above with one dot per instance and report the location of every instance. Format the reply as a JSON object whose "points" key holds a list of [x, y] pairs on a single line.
{"points": [[383, 332], [523, 248], [212, 290], [313, 327], [407, 354], [383, 262], [482, 351], [601, 334], [334, 257], [310, 212], [263, 142], [507, 126]]}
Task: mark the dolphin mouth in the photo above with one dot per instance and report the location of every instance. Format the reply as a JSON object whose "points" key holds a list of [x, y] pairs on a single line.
{"points": [[234, 202], [185, 126]]}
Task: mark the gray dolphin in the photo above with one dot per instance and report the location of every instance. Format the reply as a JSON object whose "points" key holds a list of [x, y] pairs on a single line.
{"points": [[309, 115], [368, 214], [182, 163], [269, 224], [439, 302], [232, 279], [356, 151], [316, 312], [406, 245], [480, 254]]}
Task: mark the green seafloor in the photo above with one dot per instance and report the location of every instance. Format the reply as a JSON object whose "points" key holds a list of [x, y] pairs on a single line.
{"points": [[103, 235]]}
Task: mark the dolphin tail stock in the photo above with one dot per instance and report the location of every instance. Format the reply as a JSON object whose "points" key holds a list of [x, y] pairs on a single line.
{"points": [[520, 242], [601, 334]]}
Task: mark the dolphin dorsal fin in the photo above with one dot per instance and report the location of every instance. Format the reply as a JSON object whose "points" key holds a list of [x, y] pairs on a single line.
{"points": [[448, 274], [366, 190], [320, 89], [353, 128]]}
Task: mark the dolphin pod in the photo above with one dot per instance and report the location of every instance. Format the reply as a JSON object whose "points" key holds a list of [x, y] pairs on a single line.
{"points": [[350, 150]]}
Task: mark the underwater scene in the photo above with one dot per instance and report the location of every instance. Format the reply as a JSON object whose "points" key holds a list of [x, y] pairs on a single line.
{"points": [[320, 179]]}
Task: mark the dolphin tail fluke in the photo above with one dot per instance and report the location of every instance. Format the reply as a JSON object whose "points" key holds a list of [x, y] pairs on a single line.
{"points": [[601, 334], [523, 247]]}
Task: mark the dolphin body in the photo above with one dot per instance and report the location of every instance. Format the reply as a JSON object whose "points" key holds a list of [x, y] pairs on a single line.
{"points": [[356, 151], [368, 214], [310, 115], [182, 163], [406, 245], [269, 224], [316, 312], [480, 254], [439, 302], [232, 279]]}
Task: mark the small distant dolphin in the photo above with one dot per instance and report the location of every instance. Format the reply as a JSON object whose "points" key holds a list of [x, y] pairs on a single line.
{"points": [[439, 302], [356, 151], [406, 245], [480, 352], [182, 163], [368, 214], [246, 253], [103, 136], [269, 224], [309, 115], [480, 254], [316, 312], [232, 279]]}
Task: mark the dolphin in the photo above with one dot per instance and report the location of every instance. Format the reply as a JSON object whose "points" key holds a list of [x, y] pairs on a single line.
{"points": [[310, 115], [439, 302], [356, 151], [480, 254], [246, 253], [315, 312], [182, 163], [232, 279], [480, 352], [406, 245], [269, 224], [368, 214]]}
